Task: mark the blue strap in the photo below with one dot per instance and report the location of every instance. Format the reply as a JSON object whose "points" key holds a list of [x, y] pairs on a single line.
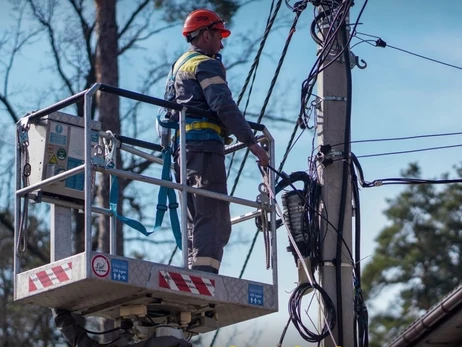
{"points": [[185, 59], [164, 193]]}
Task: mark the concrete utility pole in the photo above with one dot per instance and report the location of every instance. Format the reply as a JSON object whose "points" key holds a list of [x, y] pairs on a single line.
{"points": [[332, 118]]}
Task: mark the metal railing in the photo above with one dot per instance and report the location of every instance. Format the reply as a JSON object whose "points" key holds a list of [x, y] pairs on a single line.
{"points": [[88, 168]]}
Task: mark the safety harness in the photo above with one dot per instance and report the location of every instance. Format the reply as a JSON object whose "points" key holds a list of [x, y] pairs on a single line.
{"points": [[164, 193]]}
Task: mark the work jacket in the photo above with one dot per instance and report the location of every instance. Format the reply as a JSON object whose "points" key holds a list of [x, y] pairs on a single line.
{"points": [[200, 82]]}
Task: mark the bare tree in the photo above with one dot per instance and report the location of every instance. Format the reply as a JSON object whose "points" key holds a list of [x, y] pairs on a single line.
{"points": [[85, 41]]}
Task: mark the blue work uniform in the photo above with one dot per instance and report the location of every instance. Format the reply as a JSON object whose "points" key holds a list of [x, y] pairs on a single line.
{"points": [[200, 82]]}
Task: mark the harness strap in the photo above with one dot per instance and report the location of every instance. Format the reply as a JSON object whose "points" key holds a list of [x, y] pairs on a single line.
{"points": [[164, 193], [204, 125]]}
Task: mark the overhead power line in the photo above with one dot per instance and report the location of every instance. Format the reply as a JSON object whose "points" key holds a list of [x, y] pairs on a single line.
{"points": [[405, 152], [413, 137], [380, 43]]}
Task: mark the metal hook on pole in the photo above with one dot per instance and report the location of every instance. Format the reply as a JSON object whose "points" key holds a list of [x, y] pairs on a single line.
{"points": [[354, 61]]}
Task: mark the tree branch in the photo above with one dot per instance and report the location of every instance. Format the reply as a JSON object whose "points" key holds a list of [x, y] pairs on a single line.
{"points": [[9, 108], [46, 23], [137, 38], [87, 31], [132, 18]]}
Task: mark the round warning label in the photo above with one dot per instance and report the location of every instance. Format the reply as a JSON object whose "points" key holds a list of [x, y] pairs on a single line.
{"points": [[61, 154], [100, 265]]}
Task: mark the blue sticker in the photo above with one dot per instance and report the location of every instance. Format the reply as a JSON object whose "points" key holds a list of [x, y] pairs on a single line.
{"points": [[255, 294], [76, 182], [57, 139], [119, 270], [94, 136]]}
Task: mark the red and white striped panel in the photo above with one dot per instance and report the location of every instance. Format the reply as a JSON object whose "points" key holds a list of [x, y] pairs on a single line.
{"points": [[186, 283], [46, 278]]}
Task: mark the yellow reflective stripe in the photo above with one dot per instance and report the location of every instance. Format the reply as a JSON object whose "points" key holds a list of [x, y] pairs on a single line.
{"points": [[213, 80], [206, 261], [203, 125], [191, 64]]}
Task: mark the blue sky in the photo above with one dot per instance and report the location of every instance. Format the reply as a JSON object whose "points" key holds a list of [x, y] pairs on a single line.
{"points": [[396, 95]]}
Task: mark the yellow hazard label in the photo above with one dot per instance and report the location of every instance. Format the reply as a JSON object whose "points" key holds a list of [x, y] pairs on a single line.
{"points": [[53, 160]]}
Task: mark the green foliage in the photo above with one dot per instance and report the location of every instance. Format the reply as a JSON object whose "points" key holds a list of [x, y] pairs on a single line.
{"points": [[418, 256]]}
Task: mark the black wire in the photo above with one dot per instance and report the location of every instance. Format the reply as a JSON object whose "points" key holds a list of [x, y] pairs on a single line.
{"points": [[402, 138], [405, 152], [283, 334], [357, 217], [383, 44], [343, 196], [361, 338], [399, 180], [253, 72], [295, 312], [314, 209], [172, 255], [270, 91], [361, 318]]}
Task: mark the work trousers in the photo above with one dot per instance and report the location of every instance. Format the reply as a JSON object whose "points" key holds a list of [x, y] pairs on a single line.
{"points": [[209, 221]]}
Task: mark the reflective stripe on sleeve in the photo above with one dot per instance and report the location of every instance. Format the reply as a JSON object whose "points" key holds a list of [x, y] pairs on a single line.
{"points": [[206, 261], [213, 80]]}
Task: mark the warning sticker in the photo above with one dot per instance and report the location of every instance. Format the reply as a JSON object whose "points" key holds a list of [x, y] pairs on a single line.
{"points": [[100, 265], [55, 275], [61, 154], [53, 160]]}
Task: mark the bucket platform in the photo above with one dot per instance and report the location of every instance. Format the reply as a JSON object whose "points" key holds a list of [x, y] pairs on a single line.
{"points": [[106, 284]]}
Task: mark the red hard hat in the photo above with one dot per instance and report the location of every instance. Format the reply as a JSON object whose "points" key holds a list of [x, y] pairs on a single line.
{"points": [[204, 19]]}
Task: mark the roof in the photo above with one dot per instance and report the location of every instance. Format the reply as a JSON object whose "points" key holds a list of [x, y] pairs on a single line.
{"points": [[441, 326]]}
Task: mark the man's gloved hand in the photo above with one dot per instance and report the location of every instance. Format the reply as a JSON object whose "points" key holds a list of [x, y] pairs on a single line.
{"points": [[260, 153]]}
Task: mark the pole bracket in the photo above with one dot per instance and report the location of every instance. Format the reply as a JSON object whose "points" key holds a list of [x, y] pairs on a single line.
{"points": [[326, 155], [334, 98]]}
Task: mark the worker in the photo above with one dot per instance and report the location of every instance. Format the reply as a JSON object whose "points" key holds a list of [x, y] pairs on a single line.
{"points": [[77, 336], [198, 79]]}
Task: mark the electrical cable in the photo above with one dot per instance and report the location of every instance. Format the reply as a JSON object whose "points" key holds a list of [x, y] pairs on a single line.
{"points": [[253, 69], [398, 180], [361, 316], [314, 210], [406, 152], [383, 44], [402, 138], [295, 312], [270, 91], [295, 301], [343, 196]]}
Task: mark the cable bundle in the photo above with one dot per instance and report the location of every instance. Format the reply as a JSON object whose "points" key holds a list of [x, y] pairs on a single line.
{"points": [[295, 302]]}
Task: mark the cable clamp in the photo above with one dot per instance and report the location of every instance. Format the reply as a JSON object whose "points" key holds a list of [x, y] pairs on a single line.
{"points": [[331, 263], [326, 155], [334, 98]]}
